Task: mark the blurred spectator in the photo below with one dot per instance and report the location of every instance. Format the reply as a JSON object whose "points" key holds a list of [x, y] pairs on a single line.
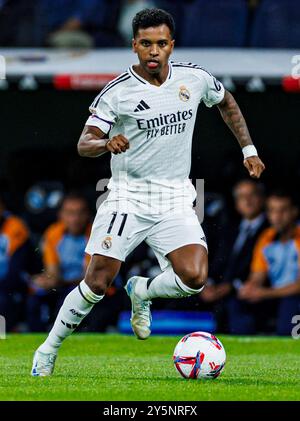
{"points": [[276, 257], [128, 10], [78, 23], [16, 23], [231, 263], [17, 259], [64, 259], [42, 201]]}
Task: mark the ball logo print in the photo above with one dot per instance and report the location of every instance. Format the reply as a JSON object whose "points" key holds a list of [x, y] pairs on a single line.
{"points": [[199, 355]]}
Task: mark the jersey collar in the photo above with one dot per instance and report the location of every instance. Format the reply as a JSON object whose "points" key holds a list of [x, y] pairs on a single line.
{"points": [[145, 82]]}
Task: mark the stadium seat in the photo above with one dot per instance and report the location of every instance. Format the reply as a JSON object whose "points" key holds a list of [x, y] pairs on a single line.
{"points": [[276, 24], [176, 8], [215, 23]]}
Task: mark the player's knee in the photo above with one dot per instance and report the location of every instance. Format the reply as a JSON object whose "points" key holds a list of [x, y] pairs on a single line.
{"points": [[101, 273], [98, 279], [194, 276]]}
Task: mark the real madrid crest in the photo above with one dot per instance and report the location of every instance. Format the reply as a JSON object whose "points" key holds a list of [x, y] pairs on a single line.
{"points": [[184, 93], [107, 243]]}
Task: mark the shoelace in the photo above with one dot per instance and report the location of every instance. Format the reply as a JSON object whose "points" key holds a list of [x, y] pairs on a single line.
{"points": [[143, 308], [48, 361], [52, 358]]}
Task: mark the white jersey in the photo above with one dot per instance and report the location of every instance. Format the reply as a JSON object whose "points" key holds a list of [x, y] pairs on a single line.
{"points": [[159, 122]]}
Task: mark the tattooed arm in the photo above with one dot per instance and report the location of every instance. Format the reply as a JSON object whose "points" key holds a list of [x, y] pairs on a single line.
{"points": [[234, 119]]}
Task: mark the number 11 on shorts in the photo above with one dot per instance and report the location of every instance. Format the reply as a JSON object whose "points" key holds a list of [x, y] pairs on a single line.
{"points": [[112, 222]]}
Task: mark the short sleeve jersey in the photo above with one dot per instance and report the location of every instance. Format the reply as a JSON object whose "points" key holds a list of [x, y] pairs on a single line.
{"points": [[159, 124]]}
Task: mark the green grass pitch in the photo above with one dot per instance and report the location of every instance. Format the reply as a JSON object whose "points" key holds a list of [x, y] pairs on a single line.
{"points": [[117, 367]]}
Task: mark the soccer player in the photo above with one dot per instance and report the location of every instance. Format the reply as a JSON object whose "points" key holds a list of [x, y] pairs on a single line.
{"points": [[148, 114]]}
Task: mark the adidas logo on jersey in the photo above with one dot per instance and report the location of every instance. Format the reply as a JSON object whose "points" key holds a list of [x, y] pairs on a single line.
{"points": [[142, 106]]}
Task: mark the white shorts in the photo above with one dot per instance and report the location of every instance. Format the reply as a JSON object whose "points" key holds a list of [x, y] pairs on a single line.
{"points": [[116, 234]]}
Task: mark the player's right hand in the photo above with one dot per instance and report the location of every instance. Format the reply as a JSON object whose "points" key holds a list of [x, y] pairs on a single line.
{"points": [[255, 166], [117, 144]]}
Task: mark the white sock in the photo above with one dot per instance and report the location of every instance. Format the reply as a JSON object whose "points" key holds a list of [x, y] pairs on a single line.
{"points": [[166, 285], [78, 303]]}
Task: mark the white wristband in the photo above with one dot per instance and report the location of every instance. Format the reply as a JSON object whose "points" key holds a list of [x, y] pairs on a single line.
{"points": [[249, 150]]}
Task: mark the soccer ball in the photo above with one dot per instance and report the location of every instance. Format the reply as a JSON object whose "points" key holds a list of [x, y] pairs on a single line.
{"points": [[199, 355]]}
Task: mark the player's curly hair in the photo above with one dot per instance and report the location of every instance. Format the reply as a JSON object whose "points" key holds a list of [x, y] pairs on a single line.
{"points": [[152, 17]]}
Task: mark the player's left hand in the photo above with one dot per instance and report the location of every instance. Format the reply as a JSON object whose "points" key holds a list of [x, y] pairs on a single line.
{"points": [[253, 294], [44, 281], [255, 166], [208, 294]]}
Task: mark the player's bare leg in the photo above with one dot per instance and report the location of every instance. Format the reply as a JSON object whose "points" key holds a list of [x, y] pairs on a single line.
{"points": [[77, 305], [185, 277], [190, 263]]}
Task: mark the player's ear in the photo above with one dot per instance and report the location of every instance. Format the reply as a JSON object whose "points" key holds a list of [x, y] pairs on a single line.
{"points": [[172, 45]]}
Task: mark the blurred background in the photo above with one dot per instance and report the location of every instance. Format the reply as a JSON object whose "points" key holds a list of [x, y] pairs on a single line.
{"points": [[59, 54]]}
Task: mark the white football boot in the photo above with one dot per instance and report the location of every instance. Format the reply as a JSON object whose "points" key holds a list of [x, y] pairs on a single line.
{"points": [[43, 364], [140, 309]]}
